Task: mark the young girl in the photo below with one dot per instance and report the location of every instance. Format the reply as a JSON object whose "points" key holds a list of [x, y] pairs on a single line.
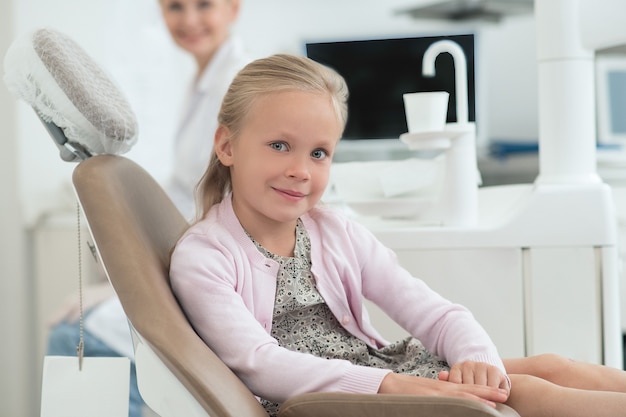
{"points": [[274, 282]]}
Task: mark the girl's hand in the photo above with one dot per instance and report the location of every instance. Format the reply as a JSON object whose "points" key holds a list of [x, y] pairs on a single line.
{"points": [[405, 384], [477, 373]]}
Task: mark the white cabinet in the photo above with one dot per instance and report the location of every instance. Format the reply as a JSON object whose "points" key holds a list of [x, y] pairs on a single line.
{"points": [[488, 282], [563, 294], [540, 272], [530, 300]]}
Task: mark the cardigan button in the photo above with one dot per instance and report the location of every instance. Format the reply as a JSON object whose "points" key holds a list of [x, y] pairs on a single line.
{"points": [[345, 320]]}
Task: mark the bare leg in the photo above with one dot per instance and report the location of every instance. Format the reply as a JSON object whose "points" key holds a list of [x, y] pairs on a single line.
{"points": [[536, 397], [569, 373]]}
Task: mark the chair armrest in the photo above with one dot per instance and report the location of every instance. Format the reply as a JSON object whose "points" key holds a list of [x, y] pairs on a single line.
{"points": [[386, 405]]}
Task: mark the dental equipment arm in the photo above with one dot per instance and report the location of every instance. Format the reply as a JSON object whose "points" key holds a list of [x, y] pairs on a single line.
{"points": [[568, 33]]}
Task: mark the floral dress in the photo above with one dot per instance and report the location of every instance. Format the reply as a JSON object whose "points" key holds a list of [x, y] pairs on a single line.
{"points": [[303, 322]]}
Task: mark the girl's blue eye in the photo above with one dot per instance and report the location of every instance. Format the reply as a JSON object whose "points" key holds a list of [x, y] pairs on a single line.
{"points": [[204, 4], [279, 146], [319, 154]]}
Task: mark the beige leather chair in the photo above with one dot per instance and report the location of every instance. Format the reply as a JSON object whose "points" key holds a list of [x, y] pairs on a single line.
{"points": [[135, 226]]}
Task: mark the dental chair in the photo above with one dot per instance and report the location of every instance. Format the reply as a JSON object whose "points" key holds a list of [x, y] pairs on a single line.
{"points": [[134, 226]]}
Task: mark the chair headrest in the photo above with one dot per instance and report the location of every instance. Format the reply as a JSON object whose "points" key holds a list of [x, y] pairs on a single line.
{"points": [[67, 89]]}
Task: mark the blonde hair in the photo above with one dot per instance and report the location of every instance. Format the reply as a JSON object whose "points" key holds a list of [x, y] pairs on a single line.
{"points": [[274, 74]]}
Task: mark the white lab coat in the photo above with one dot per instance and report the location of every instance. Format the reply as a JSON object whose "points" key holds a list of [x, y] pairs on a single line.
{"points": [[194, 138]]}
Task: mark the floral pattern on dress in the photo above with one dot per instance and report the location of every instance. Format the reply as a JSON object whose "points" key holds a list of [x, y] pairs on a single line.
{"points": [[302, 322]]}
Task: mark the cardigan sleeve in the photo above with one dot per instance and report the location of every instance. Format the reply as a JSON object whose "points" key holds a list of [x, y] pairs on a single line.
{"points": [[449, 330]]}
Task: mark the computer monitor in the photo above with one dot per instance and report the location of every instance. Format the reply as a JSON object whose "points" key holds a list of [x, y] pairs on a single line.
{"points": [[379, 71]]}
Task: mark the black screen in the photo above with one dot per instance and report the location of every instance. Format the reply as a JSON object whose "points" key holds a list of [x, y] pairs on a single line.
{"points": [[379, 71]]}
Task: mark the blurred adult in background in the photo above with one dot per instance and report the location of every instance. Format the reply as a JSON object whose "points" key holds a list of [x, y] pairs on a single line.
{"points": [[201, 27]]}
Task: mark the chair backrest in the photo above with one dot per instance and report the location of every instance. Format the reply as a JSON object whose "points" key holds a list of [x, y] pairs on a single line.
{"points": [[135, 227]]}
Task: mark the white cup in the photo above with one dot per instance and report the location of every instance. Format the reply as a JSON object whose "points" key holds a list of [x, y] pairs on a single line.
{"points": [[426, 112]]}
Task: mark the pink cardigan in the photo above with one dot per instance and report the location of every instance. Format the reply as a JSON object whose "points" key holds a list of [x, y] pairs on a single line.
{"points": [[227, 287]]}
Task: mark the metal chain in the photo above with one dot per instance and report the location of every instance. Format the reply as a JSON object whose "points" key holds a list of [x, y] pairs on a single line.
{"points": [[80, 349]]}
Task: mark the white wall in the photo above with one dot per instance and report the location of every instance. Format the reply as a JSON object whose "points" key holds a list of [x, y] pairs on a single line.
{"points": [[128, 39], [16, 377], [509, 70]]}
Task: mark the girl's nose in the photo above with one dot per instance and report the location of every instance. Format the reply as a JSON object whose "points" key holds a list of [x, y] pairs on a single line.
{"points": [[299, 168]]}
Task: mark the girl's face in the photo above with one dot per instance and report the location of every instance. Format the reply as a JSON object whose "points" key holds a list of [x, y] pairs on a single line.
{"points": [[199, 26], [280, 161]]}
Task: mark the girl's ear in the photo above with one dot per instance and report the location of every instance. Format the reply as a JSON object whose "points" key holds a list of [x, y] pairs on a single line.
{"points": [[222, 145]]}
